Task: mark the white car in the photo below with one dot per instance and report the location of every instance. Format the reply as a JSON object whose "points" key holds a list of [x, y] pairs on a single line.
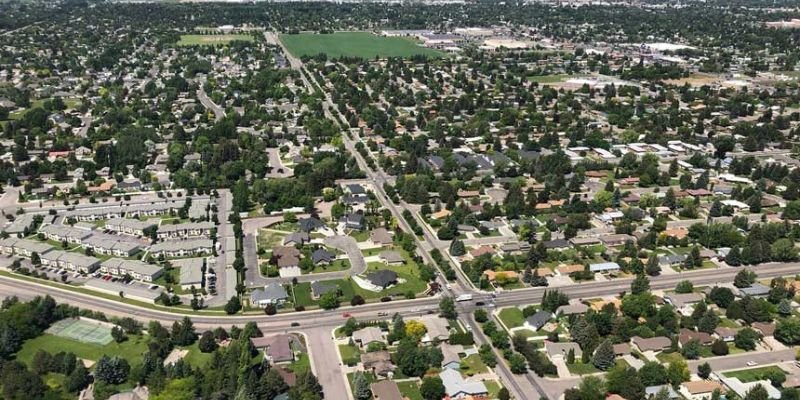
{"points": [[751, 363]]}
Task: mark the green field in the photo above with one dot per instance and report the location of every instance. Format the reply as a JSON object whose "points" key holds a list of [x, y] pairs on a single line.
{"points": [[549, 78], [131, 349], [754, 374], [410, 390], [512, 317], [354, 44], [211, 40]]}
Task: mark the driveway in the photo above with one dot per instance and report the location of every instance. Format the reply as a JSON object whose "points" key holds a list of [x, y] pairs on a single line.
{"points": [[278, 169]]}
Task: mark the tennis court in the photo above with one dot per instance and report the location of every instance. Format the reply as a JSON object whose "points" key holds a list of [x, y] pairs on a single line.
{"points": [[82, 330]]}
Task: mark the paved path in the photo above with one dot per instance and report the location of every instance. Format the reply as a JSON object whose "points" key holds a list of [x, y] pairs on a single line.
{"points": [[278, 169], [739, 361], [326, 362], [219, 112]]}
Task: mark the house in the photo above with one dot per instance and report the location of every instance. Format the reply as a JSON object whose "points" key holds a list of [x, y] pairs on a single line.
{"points": [[185, 230], [457, 388], [273, 293], [741, 388], [391, 258], [371, 334], [604, 267], [651, 391], [277, 348], [319, 288], [353, 221], [671, 259], [684, 302], [379, 362], [296, 238], [699, 390], [725, 334], [382, 278], [191, 272], [385, 390], [310, 224], [492, 275], [556, 244], [450, 357], [133, 268], [616, 239], [437, 328], [764, 328], [380, 236], [565, 270], [755, 290], [622, 349], [322, 257], [132, 227], [572, 309], [657, 343], [685, 336], [538, 320], [183, 248], [561, 349]]}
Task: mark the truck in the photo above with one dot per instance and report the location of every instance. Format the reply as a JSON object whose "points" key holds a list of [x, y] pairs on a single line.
{"points": [[464, 297]]}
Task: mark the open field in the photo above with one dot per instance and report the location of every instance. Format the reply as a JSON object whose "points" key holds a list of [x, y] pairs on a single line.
{"points": [[549, 78], [353, 44], [131, 349], [211, 40], [754, 374]]}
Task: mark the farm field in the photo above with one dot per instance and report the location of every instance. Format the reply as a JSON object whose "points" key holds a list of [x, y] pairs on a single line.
{"points": [[353, 44], [211, 40]]}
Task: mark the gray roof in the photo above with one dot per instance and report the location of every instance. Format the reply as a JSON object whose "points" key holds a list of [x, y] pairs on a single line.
{"points": [[319, 288], [382, 278], [296, 237], [391, 257], [186, 245], [455, 385], [539, 319], [756, 289], [191, 270], [272, 292], [320, 255], [134, 266]]}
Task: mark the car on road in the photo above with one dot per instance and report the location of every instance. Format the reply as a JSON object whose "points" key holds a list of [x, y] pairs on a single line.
{"points": [[346, 315], [295, 323], [383, 314], [751, 363], [480, 303]]}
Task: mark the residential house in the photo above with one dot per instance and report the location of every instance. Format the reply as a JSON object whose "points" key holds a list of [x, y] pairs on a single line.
{"points": [[380, 236], [322, 257], [134, 268], [385, 390], [457, 388], [700, 390], [371, 334], [560, 350], [686, 336], [273, 293], [391, 258], [655, 344], [538, 320], [382, 279], [276, 348], [319, 288], [378, 362]]}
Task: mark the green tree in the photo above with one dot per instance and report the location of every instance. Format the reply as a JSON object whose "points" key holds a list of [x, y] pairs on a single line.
{"points": [[329, 301], [432, 388], [691, 350], [744, 278], [518, 364], [233, 306], [640, 284], [604, 355], [719, 348], [361, 387], [447, 308], [207, 342], [78, 379], [704, 370], [677, 372], [178, 389], [112, 370], [457, 248], [757, 392]]}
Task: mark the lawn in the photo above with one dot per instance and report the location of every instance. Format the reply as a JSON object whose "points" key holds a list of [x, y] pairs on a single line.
{"points": [[669, 357], [353, 44], [360, 236], [754, 374], [302, 292], [211, 40], [512, 317], [350, 354], [268, 238], [473, 365], [409, 272], [549, 78], [131, 349], [493, 387], [195, 357], [410, 390], [337, 265], [582, 369], [301, 364]]}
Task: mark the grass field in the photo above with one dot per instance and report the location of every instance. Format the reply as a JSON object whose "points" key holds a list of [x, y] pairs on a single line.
{"points": [[81, 330], [754, 374], [131, 350], [354, 44], [410, 390], [549, 78], [582, 369], [211, 40], [512, 317]]}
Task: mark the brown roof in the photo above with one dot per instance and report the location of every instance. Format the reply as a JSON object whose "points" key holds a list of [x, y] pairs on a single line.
{"points": [[481, 251], [699, 387], [622, 349], [657, 343], [568, 269], [278, 347], [687, 336], [386, 390], [375, 357], [288, 376], [766, 329], [491, 275], [282, 251]]}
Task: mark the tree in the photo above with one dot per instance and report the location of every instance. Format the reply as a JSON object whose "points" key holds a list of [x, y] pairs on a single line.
{"points": [[415, 329], [719, 348], [178, 389], [233, 306], [118, 334], [744, 278], [704, 370], [746, 339], [757, 392], [652, 268], [625, 382], [329, 301], [78, 379], [480, 315], [518, 364], [785, 307], [432, 388], [503, 394], [653, 373], [112, 370], [591, 388], [640, 284], [361, 387], [447, 308], [684, 287], [183, 333], [604, 356], [691, 350], [207, 342], [787, 331], [734, 257], [457, 248], [677, 372], [722, 296]]}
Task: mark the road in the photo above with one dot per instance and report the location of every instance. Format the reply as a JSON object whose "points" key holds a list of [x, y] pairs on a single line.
{"points": [[219, 112], [278, 170], [86, 124], [739, 361], [226, 281]]}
